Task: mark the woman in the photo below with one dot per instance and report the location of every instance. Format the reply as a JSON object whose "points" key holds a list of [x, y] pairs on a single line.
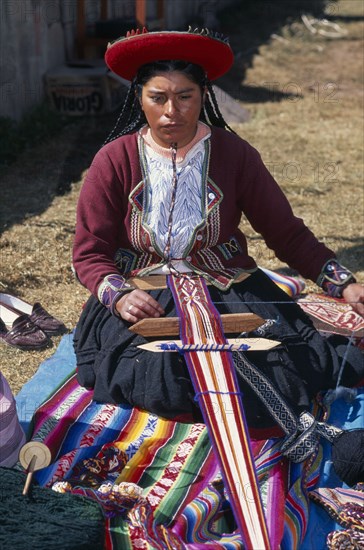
{"points": [[165, 195]]}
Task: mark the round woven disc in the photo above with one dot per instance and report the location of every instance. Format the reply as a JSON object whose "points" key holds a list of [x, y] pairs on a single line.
{"points": [[35, 448]]}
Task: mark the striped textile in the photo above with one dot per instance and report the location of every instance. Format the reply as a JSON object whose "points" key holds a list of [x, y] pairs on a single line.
{"points": [[293, 286], [184, 503], [172, 462], [215, 384], [190, 509], [12, 436], [335, 499]]}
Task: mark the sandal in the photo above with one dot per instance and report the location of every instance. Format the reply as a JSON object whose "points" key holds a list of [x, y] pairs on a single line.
{"points": [[38, 315]]}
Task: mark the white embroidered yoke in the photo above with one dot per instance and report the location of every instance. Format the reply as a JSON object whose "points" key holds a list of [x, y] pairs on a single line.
{"points": [[187, 212]]}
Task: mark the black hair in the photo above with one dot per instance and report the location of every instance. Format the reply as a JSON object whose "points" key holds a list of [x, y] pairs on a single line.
{"points": [[132, 117]]}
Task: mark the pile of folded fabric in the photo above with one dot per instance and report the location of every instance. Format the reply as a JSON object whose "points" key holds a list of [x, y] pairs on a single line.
{"points": [[26, 326]]}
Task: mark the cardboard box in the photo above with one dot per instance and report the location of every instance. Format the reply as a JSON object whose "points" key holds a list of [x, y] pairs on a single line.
{"points": [[84, 89]]}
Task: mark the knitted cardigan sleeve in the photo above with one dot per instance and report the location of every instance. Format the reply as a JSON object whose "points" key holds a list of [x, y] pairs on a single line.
{"points": [[101, 213]]}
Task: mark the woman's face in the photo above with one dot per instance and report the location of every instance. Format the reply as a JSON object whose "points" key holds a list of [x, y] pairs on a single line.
{"points": [[172, 104]]}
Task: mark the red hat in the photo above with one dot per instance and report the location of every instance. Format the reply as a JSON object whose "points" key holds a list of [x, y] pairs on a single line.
{"points": [[209, 50]]}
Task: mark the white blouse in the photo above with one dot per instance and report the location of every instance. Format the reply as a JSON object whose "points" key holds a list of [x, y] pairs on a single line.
{"points": [[187, 212]]}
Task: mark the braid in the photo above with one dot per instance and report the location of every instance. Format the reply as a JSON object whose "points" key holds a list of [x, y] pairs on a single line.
{"points": [[138, 121], [211, 115], [131, 116], [212, 109]]}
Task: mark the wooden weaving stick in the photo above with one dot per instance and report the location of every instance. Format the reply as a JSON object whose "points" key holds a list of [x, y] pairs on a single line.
{"points": [[234, 344], [233, 323]]}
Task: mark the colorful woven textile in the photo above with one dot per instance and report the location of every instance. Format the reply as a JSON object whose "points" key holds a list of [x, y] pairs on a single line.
{"points": [[172, 462], [333, 315], [293, 286], [346, 506], [182, 502], [218, 393]]}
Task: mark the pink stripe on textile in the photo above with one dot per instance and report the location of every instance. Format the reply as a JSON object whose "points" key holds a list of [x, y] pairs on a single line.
{"points": [[213, 376], [55, 416], [48, 409], [276, 498]]}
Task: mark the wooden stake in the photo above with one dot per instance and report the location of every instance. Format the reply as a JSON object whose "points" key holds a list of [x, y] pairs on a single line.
{"points": [[30, 471]]}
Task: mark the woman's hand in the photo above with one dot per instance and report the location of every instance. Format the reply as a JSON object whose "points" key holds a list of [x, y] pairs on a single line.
{"points": [[354, 295], [136, 305]]}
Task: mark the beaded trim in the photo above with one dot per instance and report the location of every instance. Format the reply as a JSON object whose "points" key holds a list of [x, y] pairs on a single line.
{"points": [[202, 32], [111, 289], [173, 346], [334, 277]]}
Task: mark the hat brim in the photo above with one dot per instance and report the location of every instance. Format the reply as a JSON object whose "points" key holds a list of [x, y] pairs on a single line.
{"points": [[125, 56]]}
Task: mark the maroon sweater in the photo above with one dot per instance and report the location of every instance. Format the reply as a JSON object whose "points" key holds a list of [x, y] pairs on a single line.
{"points": [[110, 236]]}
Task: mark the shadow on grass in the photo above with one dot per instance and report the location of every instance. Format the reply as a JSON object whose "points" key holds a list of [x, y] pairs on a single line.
{"points": [[251, 24], [353, 256], [31, 194]]}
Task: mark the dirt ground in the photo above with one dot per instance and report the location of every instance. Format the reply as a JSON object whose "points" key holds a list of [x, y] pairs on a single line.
{"points": [[303, 91]]}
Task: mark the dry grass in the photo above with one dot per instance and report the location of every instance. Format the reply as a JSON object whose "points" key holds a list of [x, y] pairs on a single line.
{"points": [[312, 141]]}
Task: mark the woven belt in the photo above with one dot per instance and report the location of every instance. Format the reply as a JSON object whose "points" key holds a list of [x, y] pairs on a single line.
{"points": [[302, 433]]}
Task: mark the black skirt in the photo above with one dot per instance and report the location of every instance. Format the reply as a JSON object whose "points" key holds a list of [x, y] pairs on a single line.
{"points": [[109, 361]]}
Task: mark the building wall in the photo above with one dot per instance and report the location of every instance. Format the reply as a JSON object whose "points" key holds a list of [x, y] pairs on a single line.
{"points": [[38, 35], [178, 13], [32, 39]]}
